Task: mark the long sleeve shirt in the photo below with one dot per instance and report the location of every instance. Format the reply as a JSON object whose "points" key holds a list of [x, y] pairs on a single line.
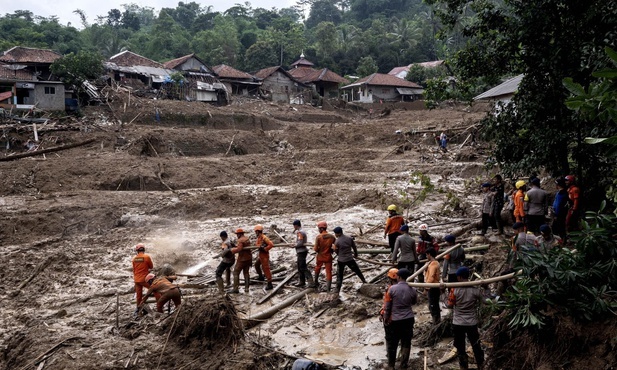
{"points": [[453, 260], [519, 203], [393, 224], [142, 264], [402, 297], [498, 199], [407, 246], [228, 256], [560, 202], [487, 202], [244, 254], [574, 194], [345, 248], [301, 239], [265, 242], [323, 246]]}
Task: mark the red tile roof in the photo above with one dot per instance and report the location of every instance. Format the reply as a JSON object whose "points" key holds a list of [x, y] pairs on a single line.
{"points": [[176, 62], [380, 79], [302, 62], [20, 54], [225, 71], [6, 73], [130, 59], [263, 73], [5, 95], [324, 75], [300, 72]]}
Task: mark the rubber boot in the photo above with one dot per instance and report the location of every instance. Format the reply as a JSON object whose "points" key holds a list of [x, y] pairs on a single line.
{"points": [[309, 278], [302, 282], [236, 285], [316, 281], [328, 285], [261, 277], [405, 351], [269, 286], [247, 283], [436, 319], [339, 285], [219, 283], [227, 278]]}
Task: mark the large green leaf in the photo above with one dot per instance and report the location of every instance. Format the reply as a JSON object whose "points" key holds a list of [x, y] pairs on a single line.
{"points": [[611, 53], [573, 87], [605, 73], [605, 140]]}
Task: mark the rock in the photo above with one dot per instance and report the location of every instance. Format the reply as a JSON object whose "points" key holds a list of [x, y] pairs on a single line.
{"points": [[478, 240], [371, 290]]}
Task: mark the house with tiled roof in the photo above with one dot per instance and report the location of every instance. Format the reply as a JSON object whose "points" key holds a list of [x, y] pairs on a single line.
{"points": [[26, 81], [236, 81], [325, 81], [280, 86], [382, 87], [201, 84], [401, 72], [135, 70]]}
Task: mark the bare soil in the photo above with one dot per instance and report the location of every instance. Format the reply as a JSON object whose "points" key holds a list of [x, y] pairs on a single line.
{"points": [[70, 219]]}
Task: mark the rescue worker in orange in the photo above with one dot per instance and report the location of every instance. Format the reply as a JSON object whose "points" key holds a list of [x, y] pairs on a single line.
{"points": [[393, 226], [243, 262], [166, 291], [519, 201], [431, 275], [574, 194], [392, 274], [263, 261], [142, 264], [323, 247]]}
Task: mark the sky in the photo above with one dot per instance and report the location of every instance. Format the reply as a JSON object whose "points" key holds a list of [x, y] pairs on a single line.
{"points": [[63, 9]]}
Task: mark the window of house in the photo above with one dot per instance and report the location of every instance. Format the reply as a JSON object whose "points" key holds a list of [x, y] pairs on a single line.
{"points": [[50, 90], [384, 91]]}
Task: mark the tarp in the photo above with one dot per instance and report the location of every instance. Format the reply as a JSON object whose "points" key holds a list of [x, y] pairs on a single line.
{"points": [[409, 91]]}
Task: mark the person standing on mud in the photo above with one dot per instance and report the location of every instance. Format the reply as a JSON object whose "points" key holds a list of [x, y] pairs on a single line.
{"points": [[465, 302], [226, 263], [453, 260], [426, 243], [244, 261], [498, 202], [431, 275], [393, 225], [487, 208], [263, 261], [519, 201], [560, 205], [301, 253], [536, 206], [142, 264], [407, 248], [343, 246], [323, 247], [399, 318]]}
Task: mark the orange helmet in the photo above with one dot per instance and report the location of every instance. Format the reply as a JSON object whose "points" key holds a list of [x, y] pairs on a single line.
{"points": [[139, 247], [393, 273], [150, 276], [322, 225], [258, 228], [239, 231]]}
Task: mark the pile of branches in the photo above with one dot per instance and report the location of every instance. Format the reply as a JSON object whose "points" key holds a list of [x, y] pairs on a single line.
{"points": [[211, 320]]}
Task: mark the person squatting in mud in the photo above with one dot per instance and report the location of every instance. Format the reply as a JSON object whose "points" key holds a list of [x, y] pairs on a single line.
{"points": [[161, 286]]}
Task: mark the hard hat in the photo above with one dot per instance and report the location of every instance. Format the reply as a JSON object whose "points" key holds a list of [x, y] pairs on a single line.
{"points": [[423, 227], [519, 184], [140, 246], [393, 273], [297, 223], [570, 178], [239, 231], [392, 207], [150, 276], [322, 224], [258, 228]]}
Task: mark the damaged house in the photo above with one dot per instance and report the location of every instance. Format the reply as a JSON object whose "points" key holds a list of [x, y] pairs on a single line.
{"points": [[280, 86], [201, 83], [26, 81], [134, 70], [236, 81], [382, 87], [324, 81]]}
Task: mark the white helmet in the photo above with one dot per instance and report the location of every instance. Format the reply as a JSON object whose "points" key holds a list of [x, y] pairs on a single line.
{"points": [[423, 227]]}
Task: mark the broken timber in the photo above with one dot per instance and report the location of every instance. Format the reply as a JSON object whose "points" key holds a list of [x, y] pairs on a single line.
{"points": [[50, 150], [465, 283], [255, 319], [277, 288]]}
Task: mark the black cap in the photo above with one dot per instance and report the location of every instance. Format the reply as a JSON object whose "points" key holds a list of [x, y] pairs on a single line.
{"points": [[297, 223], [223, 234], [338, 230], [404, 273]]}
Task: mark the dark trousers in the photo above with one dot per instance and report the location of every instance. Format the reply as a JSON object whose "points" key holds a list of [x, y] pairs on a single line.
{"points": [[534, 223], [420, 265], [433, 302], [392, 239], [408, 265], [460, 331], [224, 267], [303, 271], [340, 271], [498, 220], [559, 225], [398, 331], [487, 221]]}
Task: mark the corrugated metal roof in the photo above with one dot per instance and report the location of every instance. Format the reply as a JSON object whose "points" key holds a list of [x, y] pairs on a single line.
{"points": [[20, 54], [129, 59], [142, 70], [509, 87], [409, 91], [380, 79], [225, 71]]}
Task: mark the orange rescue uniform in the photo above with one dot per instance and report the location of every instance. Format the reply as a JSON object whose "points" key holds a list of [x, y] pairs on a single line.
{"points": [[323, 247], [519, 205], [142, 264], [167, 291], [245, 258], [264, 256], [393, 224]]}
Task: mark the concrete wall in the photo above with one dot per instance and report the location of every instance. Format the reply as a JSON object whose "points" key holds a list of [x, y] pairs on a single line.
{"points": [[44, 99], [280, 86]]}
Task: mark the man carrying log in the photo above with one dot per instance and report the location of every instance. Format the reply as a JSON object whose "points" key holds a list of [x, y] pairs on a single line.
{"points": [[142, 264], [244, 261], [263, 261], [226, 263], [425, 243], [453, 260], [465, 301], [323, 247], [343, 246], [393, 225], [431, 275], [301, 253], [163, 287], [399, 318], [407, 248]]}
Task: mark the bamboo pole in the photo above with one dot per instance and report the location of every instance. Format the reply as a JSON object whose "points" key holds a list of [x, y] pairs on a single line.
{"points": [[278, 287], [464, 283], [375, 262], [266, 314], [440, 256]]}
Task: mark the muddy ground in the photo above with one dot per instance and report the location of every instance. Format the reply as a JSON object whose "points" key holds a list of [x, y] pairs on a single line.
{"points": [[70, 220]]}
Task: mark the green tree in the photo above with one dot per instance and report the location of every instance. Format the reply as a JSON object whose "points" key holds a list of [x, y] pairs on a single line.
{"points": [[325, 36], [75, 68], [367, 66]]}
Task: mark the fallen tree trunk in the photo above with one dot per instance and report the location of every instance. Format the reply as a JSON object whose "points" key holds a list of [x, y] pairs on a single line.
{"points": [[470, 249], [472, 226], [440, 256], [277, 288], [465, 283], [375, 262], [255, 319], [372, 242], [50, 150]]}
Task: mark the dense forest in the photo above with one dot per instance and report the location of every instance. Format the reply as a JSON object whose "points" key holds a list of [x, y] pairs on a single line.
{"points": [[336, 34]]}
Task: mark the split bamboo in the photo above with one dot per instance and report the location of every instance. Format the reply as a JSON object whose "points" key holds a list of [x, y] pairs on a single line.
{"points": [[464, 283]]}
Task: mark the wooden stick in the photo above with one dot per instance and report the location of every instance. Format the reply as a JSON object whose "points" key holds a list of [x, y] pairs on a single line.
{"points": [[255, 319], [464, 142], [50, 150], [470, 249], [375, 262], [230, 144], [278, 287], [372, 242], [169, 335], [39, 358], [118, 310], [465, 283], [440, 256]]}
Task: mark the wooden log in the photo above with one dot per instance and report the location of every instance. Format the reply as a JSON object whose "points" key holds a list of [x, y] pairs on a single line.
{"points": [[440, 256], [464, 283], [38, 269], [372, 242], [469, 249], [277, 288], [374, 251], [266, 314], [50, 150], [52, 349], [378, 277], [375, 262]]}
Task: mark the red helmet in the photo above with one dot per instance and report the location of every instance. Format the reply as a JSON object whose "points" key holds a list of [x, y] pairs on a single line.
{"points": [[239, 231], [570, 178], [258, 228], [322, 225], [393, 273], [140, 247], [150, 276]]}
